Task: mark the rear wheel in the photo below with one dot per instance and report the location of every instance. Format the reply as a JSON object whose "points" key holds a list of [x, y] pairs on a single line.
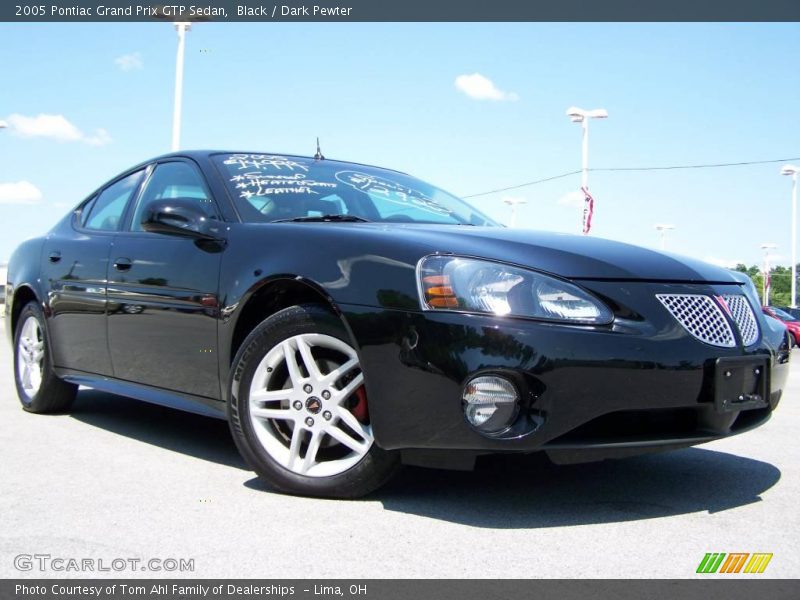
{"points": [[299, 410], [38, 387]]}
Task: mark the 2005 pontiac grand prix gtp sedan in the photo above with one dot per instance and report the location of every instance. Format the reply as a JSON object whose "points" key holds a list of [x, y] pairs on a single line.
{"points": [[347, 319]]}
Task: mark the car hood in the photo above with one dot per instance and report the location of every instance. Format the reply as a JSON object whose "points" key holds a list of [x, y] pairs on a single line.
{"points": [[567, 255]]}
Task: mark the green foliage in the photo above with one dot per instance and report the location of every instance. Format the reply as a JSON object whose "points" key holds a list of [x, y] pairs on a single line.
{"points": [[781, 278]]}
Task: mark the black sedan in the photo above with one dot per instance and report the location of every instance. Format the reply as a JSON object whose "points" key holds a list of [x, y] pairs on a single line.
{"points": [[347, 319]]}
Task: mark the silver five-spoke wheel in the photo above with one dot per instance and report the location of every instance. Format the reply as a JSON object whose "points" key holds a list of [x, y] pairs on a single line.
{"points": [[30, 357], [308, 406]]}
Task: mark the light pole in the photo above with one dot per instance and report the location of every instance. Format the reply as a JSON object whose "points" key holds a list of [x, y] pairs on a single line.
{"points": [[767, 283], [663, 229], [182, 27], [793, 170], [579, 115], [514, 203]]}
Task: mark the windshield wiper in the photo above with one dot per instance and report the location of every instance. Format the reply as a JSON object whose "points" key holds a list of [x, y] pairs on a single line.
{"points": [[325, 218]]}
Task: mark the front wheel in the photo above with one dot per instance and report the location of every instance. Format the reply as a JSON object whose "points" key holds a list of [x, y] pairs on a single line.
{"points": [[38, 387], [299, 412]]}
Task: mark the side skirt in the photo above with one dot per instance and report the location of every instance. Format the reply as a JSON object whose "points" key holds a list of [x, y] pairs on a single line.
{"points": [[171, 399]]}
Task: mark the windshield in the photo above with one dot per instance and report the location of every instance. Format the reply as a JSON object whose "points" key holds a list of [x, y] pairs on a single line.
{"points": [[268, 188]]}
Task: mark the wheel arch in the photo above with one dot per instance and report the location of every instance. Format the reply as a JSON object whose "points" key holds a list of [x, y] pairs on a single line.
{"points": [[22, 295], [275, 294]]}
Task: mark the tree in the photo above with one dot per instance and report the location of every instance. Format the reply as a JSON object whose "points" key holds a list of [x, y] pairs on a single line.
{"points": [[780, 282]]}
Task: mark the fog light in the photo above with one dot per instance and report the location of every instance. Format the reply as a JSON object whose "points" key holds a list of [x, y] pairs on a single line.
{"points": [[490, 403]]}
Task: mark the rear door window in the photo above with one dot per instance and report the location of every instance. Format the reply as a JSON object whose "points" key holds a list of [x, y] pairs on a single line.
{"points": [[105, 212]]}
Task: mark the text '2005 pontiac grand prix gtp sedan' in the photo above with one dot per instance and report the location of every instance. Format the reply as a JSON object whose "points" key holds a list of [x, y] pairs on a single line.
{"points": [[346, 319]]}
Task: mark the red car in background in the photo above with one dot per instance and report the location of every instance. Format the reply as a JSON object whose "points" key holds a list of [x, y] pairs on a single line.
{"points": [[792, 324]]}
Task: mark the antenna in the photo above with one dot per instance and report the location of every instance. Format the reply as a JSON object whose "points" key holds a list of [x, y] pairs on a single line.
{"points": [[318, 155]]}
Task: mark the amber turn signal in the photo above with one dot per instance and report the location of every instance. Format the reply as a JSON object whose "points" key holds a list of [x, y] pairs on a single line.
{"points": [[438, 292]]}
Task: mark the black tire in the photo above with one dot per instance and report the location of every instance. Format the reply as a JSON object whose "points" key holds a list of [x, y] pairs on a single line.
{"points": [[53, 394], [373, 469]]}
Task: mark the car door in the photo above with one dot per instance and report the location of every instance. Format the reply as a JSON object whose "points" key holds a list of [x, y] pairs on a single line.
{"points": [[162, 290], [75, 263]]}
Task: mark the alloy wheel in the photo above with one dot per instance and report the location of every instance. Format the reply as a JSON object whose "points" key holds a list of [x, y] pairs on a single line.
{"points": [[30, 357], [307, 405]]}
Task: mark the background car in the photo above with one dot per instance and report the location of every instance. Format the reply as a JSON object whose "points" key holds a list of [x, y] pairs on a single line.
{"points": [[792, 324], [795, 312], [346, 319]]}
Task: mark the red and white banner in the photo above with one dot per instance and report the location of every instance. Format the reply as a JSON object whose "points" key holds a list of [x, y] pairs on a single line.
{"points": [[588, 211]]}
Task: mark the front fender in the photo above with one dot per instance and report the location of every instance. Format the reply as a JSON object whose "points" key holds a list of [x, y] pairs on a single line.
{"points": [[368, 268], [335, 266]]}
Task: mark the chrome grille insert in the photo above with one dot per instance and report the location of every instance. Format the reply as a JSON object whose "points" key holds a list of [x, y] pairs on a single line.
{"points": [[701, 317], [743, 315]]}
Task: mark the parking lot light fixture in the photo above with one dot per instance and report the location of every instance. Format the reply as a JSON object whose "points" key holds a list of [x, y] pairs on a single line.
{"points": [[182, 28], [767, 284], [582, 116], [793, 170], [662, 229], [514, 203]]}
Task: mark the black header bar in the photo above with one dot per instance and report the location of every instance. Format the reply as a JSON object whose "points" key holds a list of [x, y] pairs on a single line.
{"points": [[728, 588], [333, 11]]}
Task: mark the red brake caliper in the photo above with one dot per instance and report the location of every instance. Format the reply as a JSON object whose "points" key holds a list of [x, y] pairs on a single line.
{"points": [[360, 409]]}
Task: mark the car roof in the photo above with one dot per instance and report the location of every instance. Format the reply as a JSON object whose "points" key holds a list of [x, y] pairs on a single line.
{"points": [[206, 153]]}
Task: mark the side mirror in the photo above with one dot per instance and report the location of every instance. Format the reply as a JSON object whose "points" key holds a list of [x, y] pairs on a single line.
{"points": [[180, 216]]}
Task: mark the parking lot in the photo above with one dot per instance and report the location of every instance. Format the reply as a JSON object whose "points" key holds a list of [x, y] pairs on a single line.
{"points": [[121, 479]]}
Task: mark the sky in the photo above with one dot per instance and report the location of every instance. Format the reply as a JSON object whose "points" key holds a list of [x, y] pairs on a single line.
{"points": [[467, 107]]}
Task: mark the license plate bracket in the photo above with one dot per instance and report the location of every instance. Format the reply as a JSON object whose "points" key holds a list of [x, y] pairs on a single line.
{"points": [[740, 383]]}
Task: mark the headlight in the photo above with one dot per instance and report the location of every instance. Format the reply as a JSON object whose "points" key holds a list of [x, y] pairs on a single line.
{"points": [[480, 286]]}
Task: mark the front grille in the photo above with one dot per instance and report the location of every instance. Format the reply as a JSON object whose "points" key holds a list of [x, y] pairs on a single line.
{"points": [[744, 317], [701, 317]]}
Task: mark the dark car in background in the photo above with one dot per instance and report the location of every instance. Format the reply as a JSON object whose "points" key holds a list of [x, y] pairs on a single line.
{"points": [[346, 319], [791, 322]]}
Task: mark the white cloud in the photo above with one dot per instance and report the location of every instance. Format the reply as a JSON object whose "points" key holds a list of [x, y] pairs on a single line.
{"points": [[129, 62], [100, 138], [52, 126], [573, 199], [20, 192], [56, 127], [478, 87]]}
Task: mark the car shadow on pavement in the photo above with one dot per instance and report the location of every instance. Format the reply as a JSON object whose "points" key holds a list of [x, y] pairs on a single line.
{"points": [[202, 437], [524, 492], [504, 492]]}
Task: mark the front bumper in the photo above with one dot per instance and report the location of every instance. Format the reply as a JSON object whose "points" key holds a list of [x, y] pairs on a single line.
{"points": [[642, 384]]}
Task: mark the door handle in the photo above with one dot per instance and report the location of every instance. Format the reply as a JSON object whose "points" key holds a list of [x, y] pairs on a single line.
{"points": [[54, 256], [123, 264]]}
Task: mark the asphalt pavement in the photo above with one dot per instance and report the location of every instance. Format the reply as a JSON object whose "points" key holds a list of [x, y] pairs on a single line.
{"points": [[122, 480]]}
